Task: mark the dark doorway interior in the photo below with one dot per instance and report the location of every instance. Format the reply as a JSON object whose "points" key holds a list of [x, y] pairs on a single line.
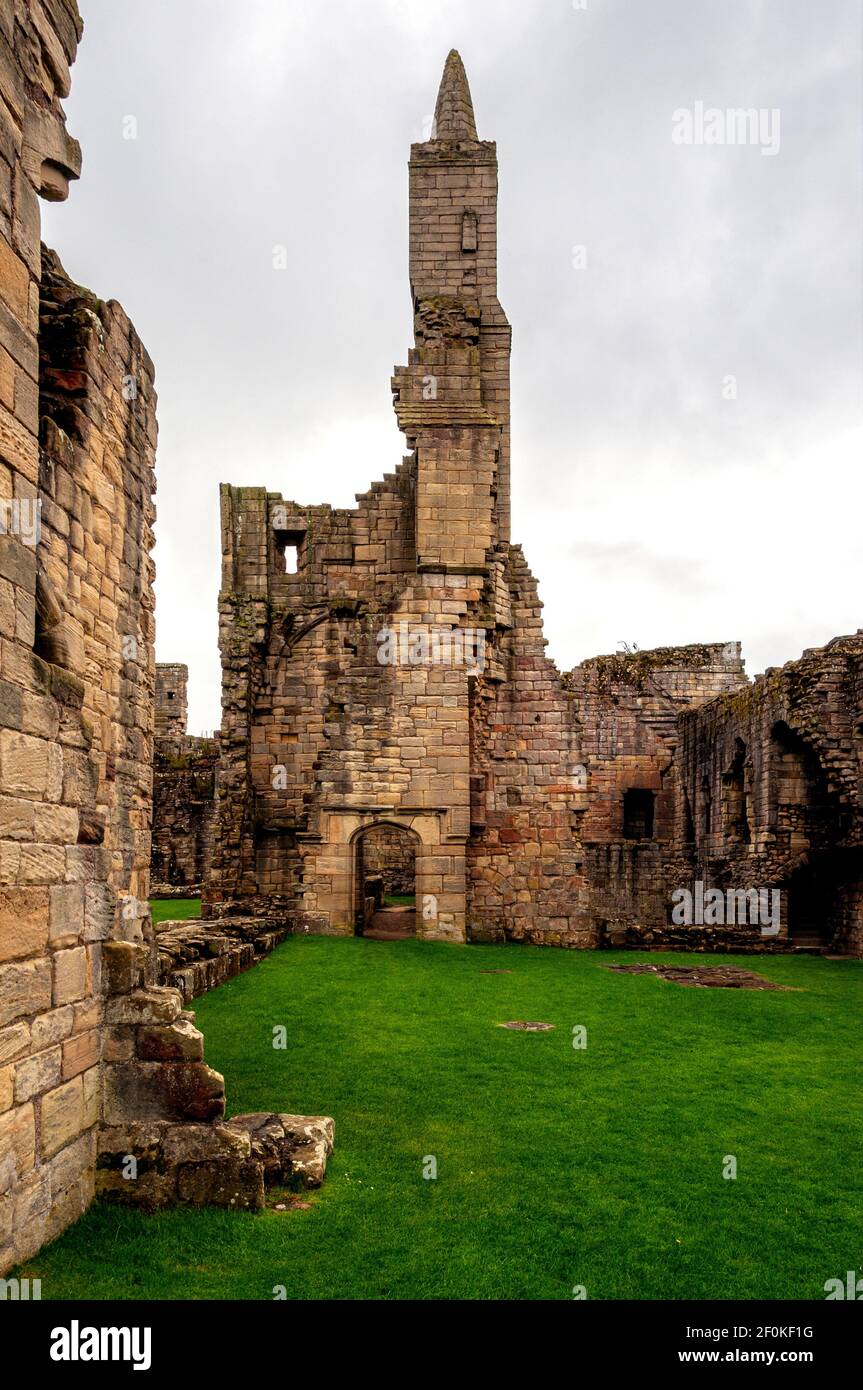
{"points": [[385, 907]]}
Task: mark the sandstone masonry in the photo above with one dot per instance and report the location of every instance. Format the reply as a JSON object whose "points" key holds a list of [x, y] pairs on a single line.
{"points": [[184, 778]]}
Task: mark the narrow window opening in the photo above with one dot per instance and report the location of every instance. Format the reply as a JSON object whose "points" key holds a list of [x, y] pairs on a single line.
{"points": [[638, 814]]}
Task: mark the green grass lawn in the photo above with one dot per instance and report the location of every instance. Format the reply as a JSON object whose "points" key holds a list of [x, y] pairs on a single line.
{"points": [[556, 1167], [173, 909]]}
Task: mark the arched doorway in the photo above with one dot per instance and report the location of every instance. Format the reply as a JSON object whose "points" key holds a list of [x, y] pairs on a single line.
{"points": [[385, 882]]}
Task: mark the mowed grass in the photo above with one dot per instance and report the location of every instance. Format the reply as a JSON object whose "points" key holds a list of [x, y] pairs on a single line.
{"points": [[174, 909], [556, 1167]]}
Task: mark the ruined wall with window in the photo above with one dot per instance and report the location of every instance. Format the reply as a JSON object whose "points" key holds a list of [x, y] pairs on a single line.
{"points": [[172, 701], [325, 730], [574, 805], [769, 794]]}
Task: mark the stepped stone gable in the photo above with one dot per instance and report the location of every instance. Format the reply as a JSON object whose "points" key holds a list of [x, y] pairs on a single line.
{"points": [[528, 804], [99, 1063]]}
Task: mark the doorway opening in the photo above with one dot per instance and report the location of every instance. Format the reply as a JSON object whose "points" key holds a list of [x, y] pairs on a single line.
{"points": [[385, 879]]}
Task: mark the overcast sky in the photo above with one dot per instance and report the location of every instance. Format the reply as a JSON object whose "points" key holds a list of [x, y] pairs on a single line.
{"points": [[653, 506]]}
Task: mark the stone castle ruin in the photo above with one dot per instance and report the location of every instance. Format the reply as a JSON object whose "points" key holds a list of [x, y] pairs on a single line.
{"points": [[385, 667], [391, 724]]}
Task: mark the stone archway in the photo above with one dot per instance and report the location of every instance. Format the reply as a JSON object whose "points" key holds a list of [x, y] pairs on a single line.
{"points": [[385, 881]]}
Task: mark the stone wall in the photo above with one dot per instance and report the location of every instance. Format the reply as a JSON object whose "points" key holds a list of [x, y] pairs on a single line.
{"points": [[93, 1052], [184, 790], [553, 759], [196, 956], [184, 776], [769, 793], [55, 800]]}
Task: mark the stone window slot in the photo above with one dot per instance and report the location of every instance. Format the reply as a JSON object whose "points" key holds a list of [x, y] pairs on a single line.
{"points": [[469, 233]]}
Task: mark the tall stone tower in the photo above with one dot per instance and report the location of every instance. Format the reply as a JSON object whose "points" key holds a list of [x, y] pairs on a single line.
{"points": [[452, 400], [324, 735]]}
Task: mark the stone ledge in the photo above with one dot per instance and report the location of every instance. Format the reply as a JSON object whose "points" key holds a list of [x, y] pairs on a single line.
{"points": [[196, 956]]}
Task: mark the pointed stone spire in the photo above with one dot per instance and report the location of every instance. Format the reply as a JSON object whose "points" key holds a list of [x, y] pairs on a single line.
{"points": [[454, 119]]}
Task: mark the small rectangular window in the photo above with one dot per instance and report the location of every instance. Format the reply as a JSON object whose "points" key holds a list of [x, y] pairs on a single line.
{"points": [[637, 814]]}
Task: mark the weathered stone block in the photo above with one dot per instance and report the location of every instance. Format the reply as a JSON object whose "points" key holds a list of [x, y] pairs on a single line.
{"points": [[14, 1041], [52, 1027], [37, 1074], [177, 1042], [222, 1183], [67, 913], [25, 988], [62, 1116], [23, 922], [70, 975], [23, 763], [18, 1136], [198, 1143], [293, 1149], [81, 1053], [123, 965], [162, 1091], [157, 1004], [150, 1190]]}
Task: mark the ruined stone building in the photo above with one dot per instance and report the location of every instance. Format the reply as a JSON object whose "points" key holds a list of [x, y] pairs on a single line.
{"points": [[388, 712], [385, 666]]}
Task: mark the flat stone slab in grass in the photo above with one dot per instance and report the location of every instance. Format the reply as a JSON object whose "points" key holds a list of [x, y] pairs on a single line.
{"points": [[523, 1027], [703, 976]]}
